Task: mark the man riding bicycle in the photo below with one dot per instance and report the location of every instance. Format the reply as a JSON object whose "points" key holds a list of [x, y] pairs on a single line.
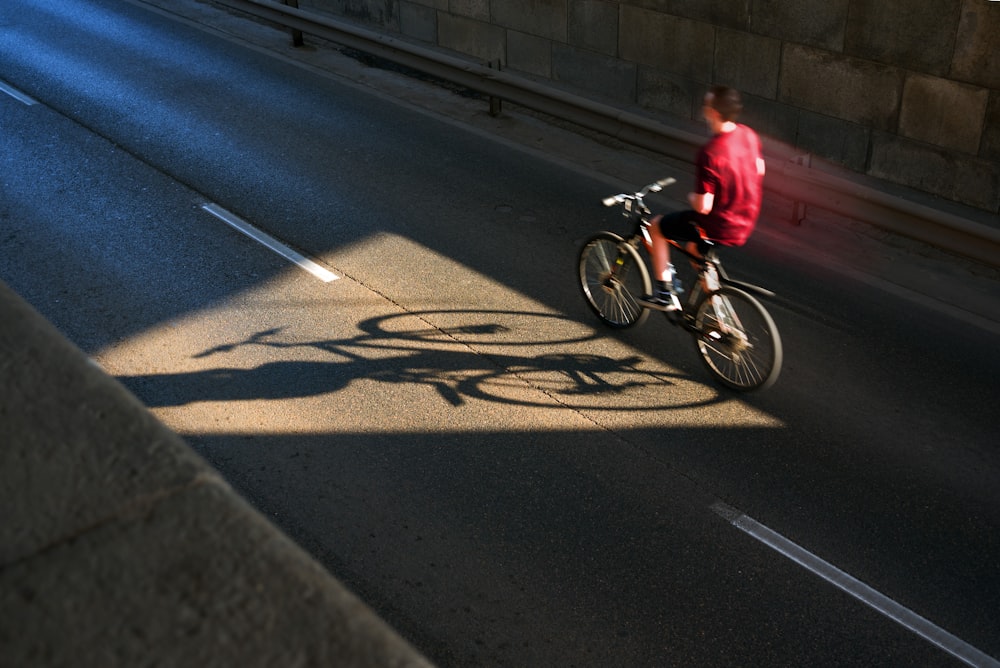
{"points": [[725, 203]]}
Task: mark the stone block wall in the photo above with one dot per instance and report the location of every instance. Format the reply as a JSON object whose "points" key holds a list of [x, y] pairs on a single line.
{"points": [[905, 90]]}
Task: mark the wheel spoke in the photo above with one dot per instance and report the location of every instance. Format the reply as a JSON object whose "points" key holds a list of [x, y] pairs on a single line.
{"points": [[611, 273], [737, 340]]}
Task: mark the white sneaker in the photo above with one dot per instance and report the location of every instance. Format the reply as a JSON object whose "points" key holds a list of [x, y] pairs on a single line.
{"points": [[662, 301]]}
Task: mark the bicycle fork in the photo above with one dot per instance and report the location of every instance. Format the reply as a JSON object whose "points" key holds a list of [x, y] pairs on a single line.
{"points": [[722, 327], [730, 332]]}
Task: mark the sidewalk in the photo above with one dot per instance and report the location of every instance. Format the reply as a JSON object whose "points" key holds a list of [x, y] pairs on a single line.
{"points": [[121, 547]]}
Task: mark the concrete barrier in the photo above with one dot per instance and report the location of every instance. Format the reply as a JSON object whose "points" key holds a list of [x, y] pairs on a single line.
{"points": [[120, 546]]}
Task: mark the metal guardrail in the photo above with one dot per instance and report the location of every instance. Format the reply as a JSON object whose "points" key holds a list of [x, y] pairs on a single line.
{"points": [[798, 182]]}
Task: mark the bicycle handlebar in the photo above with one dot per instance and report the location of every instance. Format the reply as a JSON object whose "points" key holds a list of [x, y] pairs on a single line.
{"points": [[651, 188]]}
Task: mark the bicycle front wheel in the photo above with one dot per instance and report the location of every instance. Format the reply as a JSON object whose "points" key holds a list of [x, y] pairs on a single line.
{"points": [[737, 340], [612, 277]]}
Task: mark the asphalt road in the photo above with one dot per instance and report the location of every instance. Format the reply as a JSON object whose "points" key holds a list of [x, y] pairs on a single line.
{"points": [[444, 426]]}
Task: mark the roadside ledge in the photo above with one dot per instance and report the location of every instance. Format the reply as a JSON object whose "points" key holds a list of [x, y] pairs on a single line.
{"points": [[120, 546]]}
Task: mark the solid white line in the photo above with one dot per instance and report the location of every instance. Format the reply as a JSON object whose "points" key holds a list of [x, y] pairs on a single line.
{"points": [[859, 590], [270, 242], [17, 95]]}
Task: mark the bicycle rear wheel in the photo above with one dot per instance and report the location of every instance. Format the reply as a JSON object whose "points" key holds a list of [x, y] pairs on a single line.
{"points": [[737, 340], [612, 277]]}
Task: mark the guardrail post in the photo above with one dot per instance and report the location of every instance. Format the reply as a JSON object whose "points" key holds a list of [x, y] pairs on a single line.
{"points": [[799, 207], [296, 34], [496, 103]]}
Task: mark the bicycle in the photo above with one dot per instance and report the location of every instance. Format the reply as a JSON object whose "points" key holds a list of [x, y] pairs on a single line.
{"points": [[735, 336]]}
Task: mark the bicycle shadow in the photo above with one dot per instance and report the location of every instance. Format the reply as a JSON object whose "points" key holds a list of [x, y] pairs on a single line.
{"points": [[479, 358]]}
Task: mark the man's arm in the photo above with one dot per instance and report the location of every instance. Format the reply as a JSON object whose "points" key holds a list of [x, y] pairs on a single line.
{"points": [[701, 202]]}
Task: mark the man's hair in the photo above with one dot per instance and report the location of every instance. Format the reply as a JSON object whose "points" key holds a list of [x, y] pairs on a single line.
{"points": [[726, 101]]}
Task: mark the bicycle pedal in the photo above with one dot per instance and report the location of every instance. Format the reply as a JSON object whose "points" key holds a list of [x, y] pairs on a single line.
{"points": [[667, 306]]}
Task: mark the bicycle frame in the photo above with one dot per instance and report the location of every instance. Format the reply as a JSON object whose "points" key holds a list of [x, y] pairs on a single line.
{"points": [[707, 259]]}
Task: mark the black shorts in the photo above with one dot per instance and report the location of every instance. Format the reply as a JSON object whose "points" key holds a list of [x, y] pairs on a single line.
{"points": [[683, 226], [680, 226]]}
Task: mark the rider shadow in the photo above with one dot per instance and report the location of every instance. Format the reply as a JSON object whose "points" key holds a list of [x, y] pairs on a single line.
{"points": [[462, 362]]}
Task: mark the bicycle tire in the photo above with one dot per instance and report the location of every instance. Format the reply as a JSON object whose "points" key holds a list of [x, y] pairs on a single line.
{"points": [[612, 276], [737, 340]]}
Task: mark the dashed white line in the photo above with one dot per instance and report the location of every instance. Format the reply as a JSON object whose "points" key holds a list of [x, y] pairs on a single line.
{"points": [[859, 590], [17, 95], [270, 242]]}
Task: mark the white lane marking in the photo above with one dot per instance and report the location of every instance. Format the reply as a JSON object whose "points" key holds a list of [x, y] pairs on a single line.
{"points": [[859, 590], [17, 95], [267, 240]]}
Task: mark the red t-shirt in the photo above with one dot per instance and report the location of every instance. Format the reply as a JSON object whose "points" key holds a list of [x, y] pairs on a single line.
{"points": [[726, 166]]}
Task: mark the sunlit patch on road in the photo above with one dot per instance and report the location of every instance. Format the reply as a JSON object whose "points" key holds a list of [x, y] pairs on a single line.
{"points": [[253, 364]]}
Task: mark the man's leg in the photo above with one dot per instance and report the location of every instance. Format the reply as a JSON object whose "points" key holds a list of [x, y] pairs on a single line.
{"points": [[659, 252], [679, 226], [662, 298]]}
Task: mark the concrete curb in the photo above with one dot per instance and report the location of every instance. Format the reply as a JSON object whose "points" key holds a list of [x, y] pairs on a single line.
{"points": [[120, 546]]}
